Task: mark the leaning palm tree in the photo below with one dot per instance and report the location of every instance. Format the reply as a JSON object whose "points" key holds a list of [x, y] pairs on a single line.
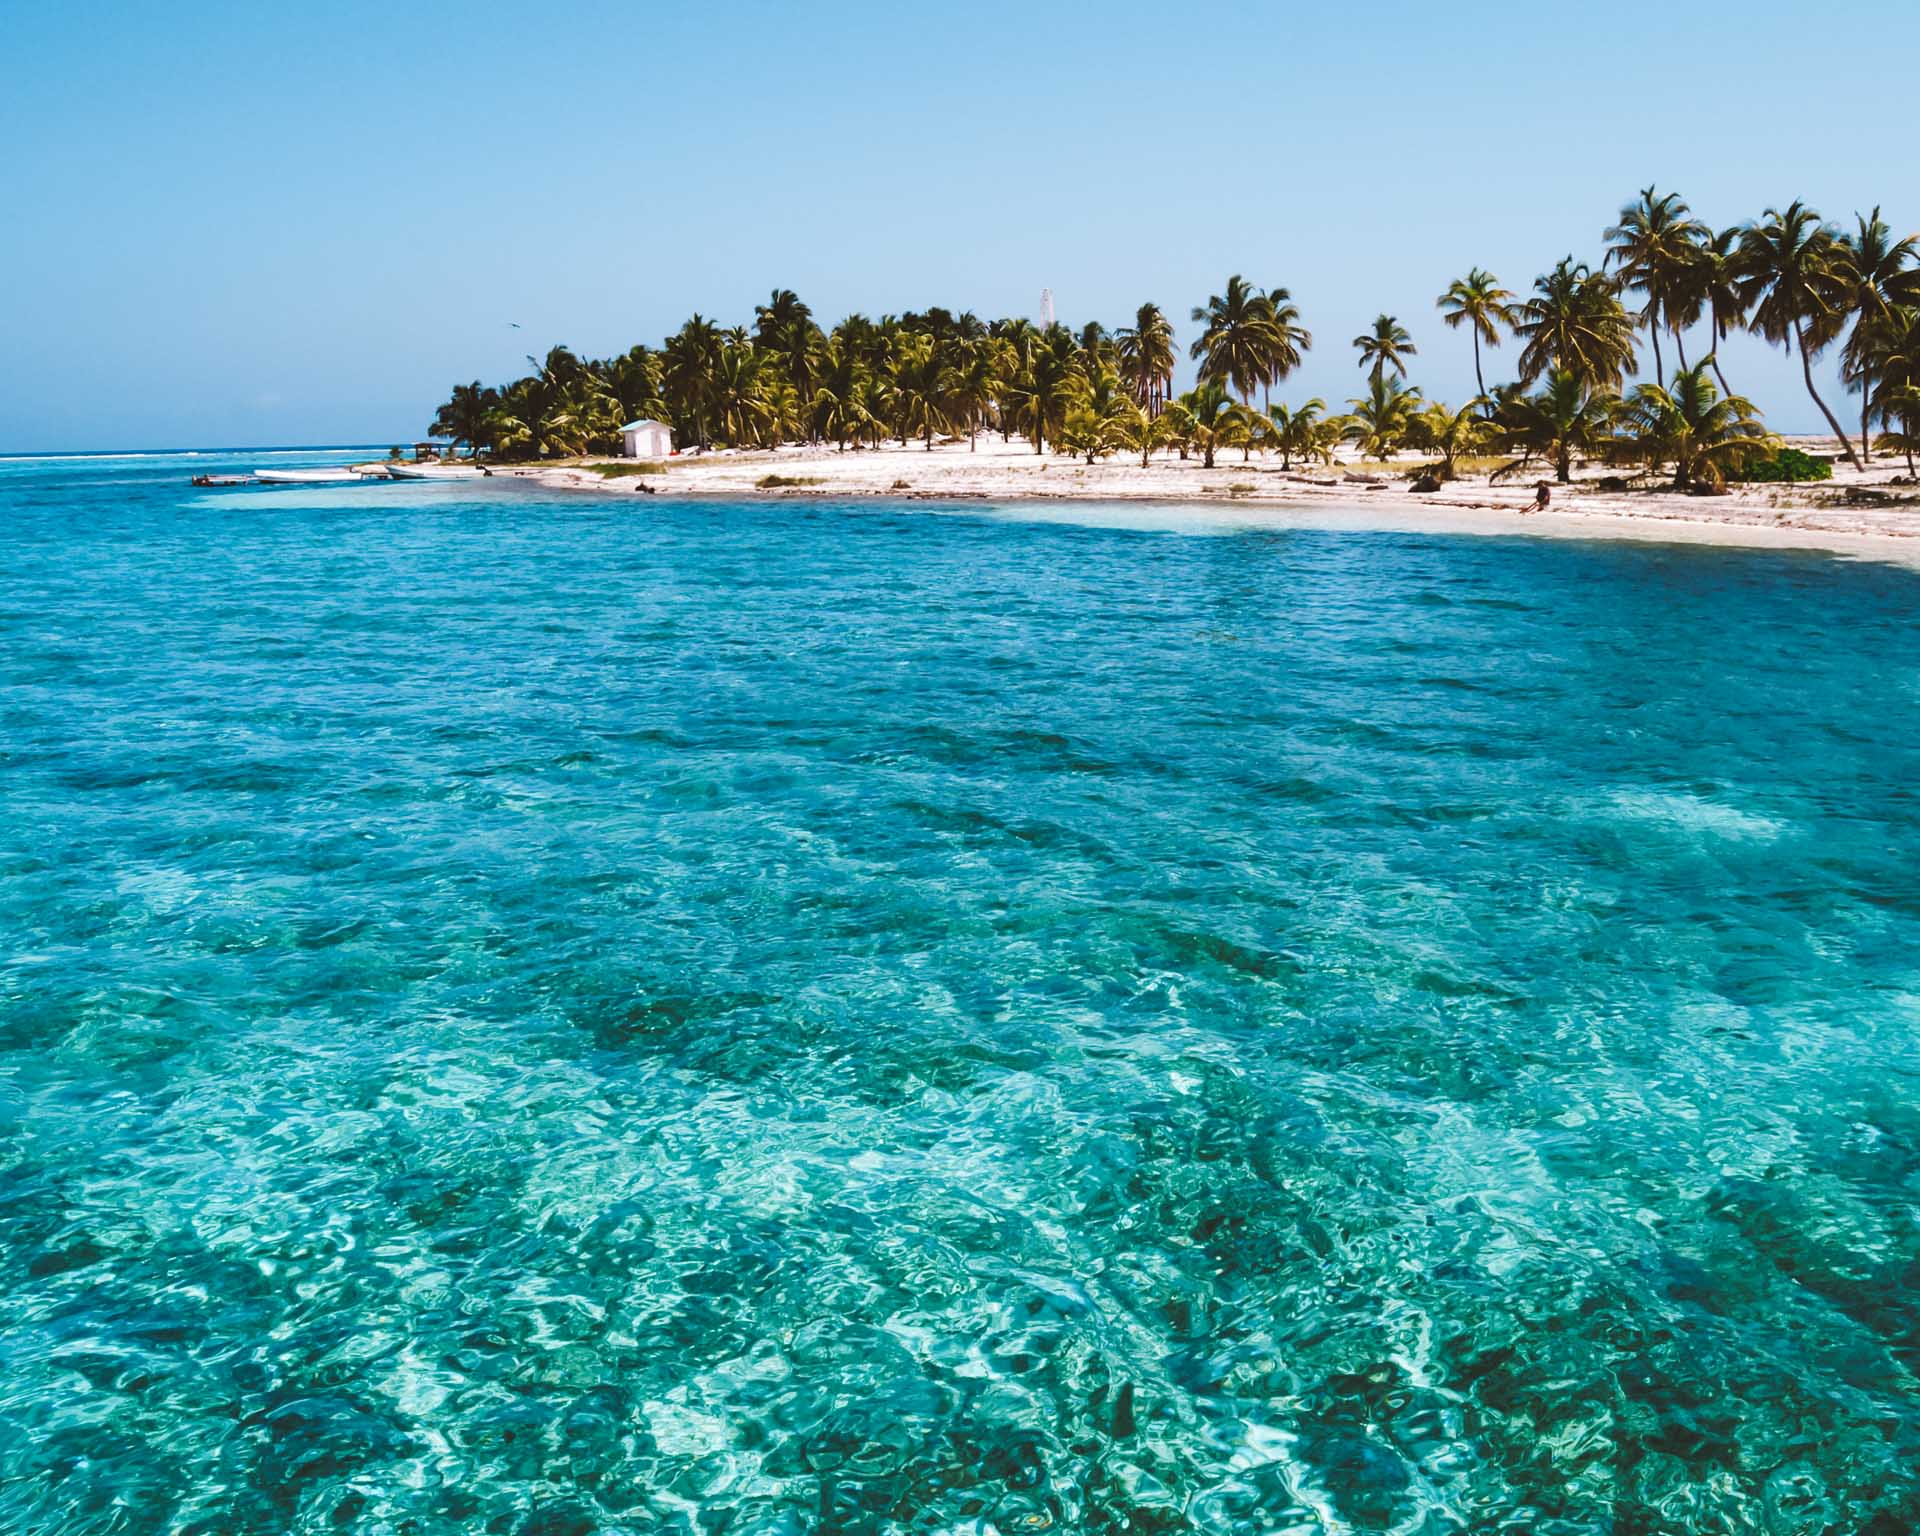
{"points": [[1386, 346], [1147, 356], [1797, 284], [1702, 431], [1655, 247], [1237, 342], [1478, 302], [1880, 276], [1575, 323]]}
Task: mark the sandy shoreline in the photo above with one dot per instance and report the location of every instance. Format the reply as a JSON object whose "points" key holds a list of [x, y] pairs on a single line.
{"points": [[1875, 515]]}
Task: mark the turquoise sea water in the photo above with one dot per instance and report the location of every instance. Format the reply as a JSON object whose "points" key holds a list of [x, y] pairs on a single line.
{"points": [[553, 1015]]}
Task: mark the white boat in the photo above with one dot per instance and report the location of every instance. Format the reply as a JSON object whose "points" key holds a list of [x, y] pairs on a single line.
{"points": [[311, 476], [436, 471]]}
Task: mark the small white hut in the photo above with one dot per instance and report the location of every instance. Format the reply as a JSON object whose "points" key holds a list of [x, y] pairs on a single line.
{"points": [[646, 440]]}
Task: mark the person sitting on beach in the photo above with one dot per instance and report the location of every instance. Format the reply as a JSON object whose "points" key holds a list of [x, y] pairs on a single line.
{"points": [[1542, 494]]}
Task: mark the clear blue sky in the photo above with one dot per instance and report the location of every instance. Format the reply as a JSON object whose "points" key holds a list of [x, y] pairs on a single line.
{"points": [[237, 223]]}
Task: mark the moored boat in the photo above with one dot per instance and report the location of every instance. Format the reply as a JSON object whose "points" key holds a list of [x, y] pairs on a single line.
{"points": [[435, 471], [313, 476]]}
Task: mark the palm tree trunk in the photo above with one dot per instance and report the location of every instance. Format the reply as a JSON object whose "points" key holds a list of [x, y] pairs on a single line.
{"points": [[1659, 374], [1866, 410], [1806, 369], [1478, 377], [1680, 346]]}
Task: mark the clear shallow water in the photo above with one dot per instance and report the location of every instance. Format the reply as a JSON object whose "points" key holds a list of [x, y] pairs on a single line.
{"points": [[540, 1016]]}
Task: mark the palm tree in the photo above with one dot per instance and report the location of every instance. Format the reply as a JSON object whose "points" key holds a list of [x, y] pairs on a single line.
{"points": [[1042, 392], [689, 361], [1575, 323], [1386, 346], [1478, 302], [1381, 419], [1718, 287], [1451, 433], [1569, 415], [1144, 431], [739, 410], [919, 395], [1288, 341], [1655, 247], [1896, 398], [1880, 276], [1796, 282], [1237, 342], [971, 383], [1694, 425], [838, 406], [468, 416], [1209, 418], [1291, 428], [1097, 349], [1147, 356]]}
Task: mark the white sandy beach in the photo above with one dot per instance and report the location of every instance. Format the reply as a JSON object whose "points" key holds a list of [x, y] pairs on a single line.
{"points": [[1872, 515]]}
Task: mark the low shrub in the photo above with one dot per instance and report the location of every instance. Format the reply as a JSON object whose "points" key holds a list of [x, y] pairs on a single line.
{"points": [[620, 471], [1783, 466], [776, 482]]}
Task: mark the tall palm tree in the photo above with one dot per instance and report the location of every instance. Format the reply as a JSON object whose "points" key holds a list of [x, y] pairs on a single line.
{"points": [[1386, 346], [1718, 287], [1287, 343], [1147, 356], [1796, 281], [1702, 431], [1654, 248], [1880, 276], [1478, 302], [1237, 340], [1575, 323]]}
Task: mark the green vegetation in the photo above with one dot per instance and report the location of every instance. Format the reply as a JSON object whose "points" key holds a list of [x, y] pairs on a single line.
{"points": [[786, 482], [922, 376], [1784, 466], [624, 468]]}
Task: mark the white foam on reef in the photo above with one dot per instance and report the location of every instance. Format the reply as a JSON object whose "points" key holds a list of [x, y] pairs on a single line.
{"points": [[1694, 814]]}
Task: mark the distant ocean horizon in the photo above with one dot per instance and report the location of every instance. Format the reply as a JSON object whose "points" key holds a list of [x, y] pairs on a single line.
{"points": [[12, 456]]}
